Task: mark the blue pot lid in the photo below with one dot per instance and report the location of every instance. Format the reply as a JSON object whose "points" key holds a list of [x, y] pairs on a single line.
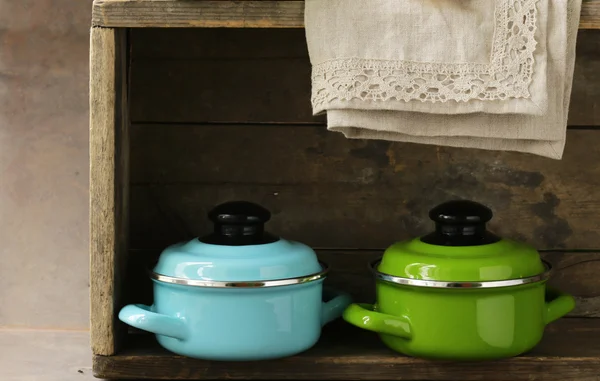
{"points": [[238, 249]]}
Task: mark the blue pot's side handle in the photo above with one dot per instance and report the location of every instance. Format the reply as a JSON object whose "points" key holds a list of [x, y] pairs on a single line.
{"points": [[336, 303], [364, 316], [142, 317], [558, 304]]}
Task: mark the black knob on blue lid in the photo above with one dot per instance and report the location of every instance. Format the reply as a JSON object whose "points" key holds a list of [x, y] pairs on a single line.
{"points": [[238, 223], [239, 212]]}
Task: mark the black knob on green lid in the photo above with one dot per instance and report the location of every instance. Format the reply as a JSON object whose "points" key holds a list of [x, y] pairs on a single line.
{"points": [[461, 212], [460, 223]]}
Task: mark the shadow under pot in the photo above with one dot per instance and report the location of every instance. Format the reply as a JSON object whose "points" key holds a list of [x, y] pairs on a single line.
{"points": [[460, 293], [239, 293]]}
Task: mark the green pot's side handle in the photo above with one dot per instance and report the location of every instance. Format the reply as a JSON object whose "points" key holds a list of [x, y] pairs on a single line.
{"points": [[558, 304], [364, 316], [142, 317]]}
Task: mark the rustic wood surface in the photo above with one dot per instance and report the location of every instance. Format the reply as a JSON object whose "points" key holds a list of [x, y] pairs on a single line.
{"points": [[573, 272], [226, 76], [590, 15], [108, 185], [231, 14], [329, 191], [568, 351], [323, 189]]}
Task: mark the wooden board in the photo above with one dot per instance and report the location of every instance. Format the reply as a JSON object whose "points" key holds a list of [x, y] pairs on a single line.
{"points": [[573, 272], [208, 75], [590, 15], [206, 44], [231, 14], [108, 184], [237, 90], [568, 351], [329, 191]]}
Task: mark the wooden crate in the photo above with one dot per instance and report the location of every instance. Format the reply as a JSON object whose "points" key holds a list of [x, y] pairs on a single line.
{"points": [[188, 109]]}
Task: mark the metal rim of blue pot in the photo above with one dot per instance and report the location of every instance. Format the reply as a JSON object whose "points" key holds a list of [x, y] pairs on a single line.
{"points": [[242, 284]]}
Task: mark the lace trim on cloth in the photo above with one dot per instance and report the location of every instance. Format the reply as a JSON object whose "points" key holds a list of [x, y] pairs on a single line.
{"points": [[508, 74]]}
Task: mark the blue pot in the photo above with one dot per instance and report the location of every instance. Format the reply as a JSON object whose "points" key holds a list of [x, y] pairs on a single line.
{"points": [[239, 293]]}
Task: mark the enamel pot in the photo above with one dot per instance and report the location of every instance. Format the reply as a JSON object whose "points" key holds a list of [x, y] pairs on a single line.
{"points": [[461, 292], [239, 293]]}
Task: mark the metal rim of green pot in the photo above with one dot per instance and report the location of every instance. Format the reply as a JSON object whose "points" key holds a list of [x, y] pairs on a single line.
{"points": [[388, 278]]}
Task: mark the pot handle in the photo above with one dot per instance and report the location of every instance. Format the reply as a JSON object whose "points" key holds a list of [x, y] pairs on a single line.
{"points": [[141, 316], [336, 303], [558, 304], [364, 316]]}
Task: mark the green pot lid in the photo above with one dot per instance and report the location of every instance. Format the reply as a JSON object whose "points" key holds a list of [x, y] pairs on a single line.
{"points": [[461, 249]]}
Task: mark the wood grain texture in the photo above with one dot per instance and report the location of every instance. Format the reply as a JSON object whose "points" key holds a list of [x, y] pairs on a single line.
{"points": [[108, 185], [207, 43], [198, 14], [568, 351], [231, 14], [329, 191], [573, 272], [226, 76], [590, 15]]}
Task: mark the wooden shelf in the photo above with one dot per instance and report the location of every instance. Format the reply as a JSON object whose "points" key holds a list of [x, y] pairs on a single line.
{"points": [[570, 350], [231, 14]]}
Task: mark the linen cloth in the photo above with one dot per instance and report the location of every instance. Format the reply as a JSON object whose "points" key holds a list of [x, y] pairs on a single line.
{"points": [[424, 71]]}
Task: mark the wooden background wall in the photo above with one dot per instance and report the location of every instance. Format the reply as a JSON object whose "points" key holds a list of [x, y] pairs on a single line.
{"points": [[223, 114]]}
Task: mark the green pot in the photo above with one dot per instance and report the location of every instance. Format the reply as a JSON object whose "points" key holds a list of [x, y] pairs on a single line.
{"points": [[461, 293]]}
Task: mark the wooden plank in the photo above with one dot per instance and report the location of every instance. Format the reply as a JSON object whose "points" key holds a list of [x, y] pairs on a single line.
{"points": [[224, 76], [329, 191], [568, 351], [108, 184], [211, 43], [573, 272], [231, 14], [585, 111], [222, 90], [198, 14], [590, 15]]}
